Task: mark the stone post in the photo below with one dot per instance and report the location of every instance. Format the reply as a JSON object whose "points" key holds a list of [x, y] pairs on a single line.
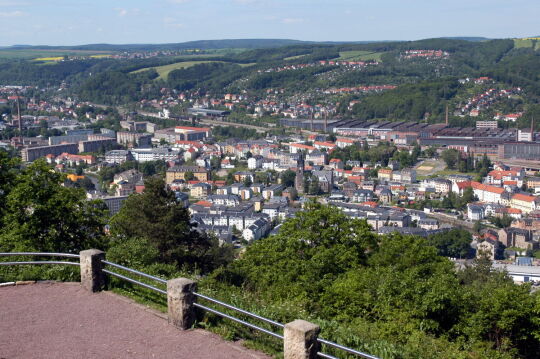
{"points": [[300, 340], [92, 277], [180, 299]]}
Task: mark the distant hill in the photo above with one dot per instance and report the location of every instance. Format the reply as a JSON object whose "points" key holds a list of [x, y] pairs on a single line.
{"points": [[200, 44], [467, 38], [210, 44]]}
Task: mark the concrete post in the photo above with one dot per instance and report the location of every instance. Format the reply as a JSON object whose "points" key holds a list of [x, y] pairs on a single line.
{"points": [[92, 277], [300, 340], [180, 299]]}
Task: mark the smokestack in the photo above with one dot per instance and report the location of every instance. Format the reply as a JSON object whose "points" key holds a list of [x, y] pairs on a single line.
{"points": [[325, 121], [19, 117]]}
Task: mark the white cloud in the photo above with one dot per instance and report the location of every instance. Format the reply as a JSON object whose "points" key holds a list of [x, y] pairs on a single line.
{"points": [[178, 1], [172, 22], [292, 20], [122, 12], [11, 13]]}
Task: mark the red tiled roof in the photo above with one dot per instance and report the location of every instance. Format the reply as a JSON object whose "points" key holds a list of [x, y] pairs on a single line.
{"points": [[487, 188], [326, 144], [513, 211], [370, 203], [510, 183], [187, 128], [300, 145], [204, 203], [524, 197]]}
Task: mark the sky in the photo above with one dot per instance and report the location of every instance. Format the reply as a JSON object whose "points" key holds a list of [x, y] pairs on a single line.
{"points": [[75, 22]]}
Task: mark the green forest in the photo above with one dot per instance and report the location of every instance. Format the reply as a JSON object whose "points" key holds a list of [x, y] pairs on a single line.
{"points": [[424, 87]]}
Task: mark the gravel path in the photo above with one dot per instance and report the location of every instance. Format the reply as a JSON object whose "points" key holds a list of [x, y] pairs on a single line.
{"points": [[61, 320]]}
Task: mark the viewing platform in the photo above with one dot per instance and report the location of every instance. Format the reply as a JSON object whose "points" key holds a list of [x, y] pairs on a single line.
{"points": [[63, 320]]}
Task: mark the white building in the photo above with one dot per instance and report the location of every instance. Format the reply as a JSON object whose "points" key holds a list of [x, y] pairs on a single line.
{"points": [[155, 154], [255, 162]]}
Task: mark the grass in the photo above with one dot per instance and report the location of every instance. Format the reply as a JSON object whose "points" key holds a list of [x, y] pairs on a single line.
{"points": [[49, 58], [520, 43], [294, 57], [359, 55], [165, 70], [101, 56]]}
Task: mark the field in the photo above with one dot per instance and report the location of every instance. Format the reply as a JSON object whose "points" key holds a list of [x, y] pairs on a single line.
{"points": [[359, 56], [429, 167], [294, 57], [44, 53], [526, 43], [165, 70]]}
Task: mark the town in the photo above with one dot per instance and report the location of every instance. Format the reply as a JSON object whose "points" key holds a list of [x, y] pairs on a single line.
{"points": [[405, 177]]}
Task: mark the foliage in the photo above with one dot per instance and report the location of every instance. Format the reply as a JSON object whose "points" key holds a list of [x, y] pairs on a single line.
{"points": [[382, 153], [397, 292], [502, 222], [9, 167], [455, 243], [242, 133], [157, 217], [411, 101], [453, 200], [42, 215], [287, 178], [450, 157], [115, 87]]}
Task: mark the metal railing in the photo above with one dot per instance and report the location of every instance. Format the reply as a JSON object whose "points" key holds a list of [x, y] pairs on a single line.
{"points": [[198, 295], [32, 254]]}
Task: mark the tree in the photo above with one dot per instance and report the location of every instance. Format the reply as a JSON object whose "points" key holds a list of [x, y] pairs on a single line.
{"points": [[189, 176], [85, 183], [478, 226], [247, 181], [309, 252], [502, 222], [42, 215], [287, 178], [454, 243], [314, 188], [230, 178], [9, 167], [450, 157], [156, 216], [430, 152]]}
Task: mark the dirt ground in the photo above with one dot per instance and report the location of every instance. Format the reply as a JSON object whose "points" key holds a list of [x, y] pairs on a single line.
{"points": [[61, 320]]}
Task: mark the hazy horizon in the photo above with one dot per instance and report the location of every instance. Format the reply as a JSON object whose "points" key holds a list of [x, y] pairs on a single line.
{"points": [[68, 23]]}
